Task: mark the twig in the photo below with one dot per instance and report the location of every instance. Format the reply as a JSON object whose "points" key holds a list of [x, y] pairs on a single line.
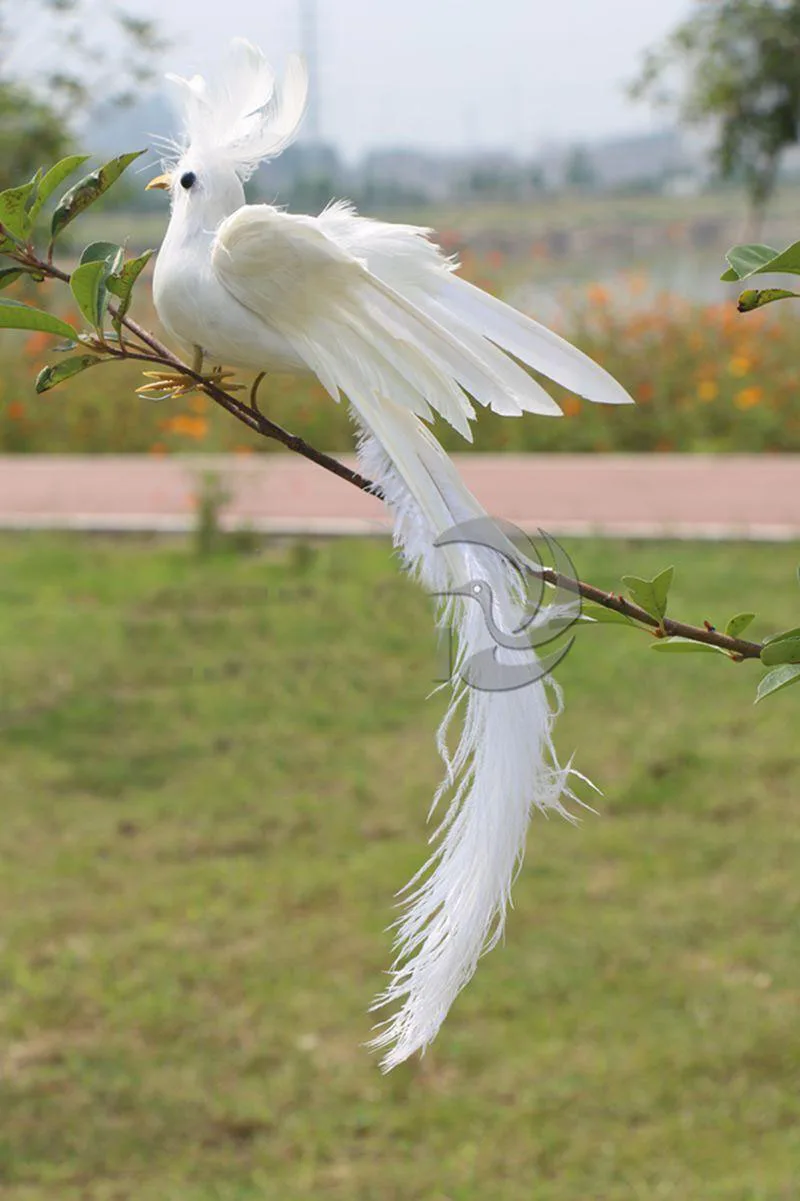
{"points": [[739, 648]]}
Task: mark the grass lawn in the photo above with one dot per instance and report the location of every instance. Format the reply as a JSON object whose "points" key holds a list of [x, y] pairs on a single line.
{"points": [[214, 775]]}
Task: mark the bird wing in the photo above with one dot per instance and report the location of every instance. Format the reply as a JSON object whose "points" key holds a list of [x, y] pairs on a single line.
{"points": [[405, 257], [368, 308]]}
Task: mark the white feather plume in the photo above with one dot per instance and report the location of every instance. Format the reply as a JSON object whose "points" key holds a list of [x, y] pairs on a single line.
{"points": [[504, 766], [244, 116]]}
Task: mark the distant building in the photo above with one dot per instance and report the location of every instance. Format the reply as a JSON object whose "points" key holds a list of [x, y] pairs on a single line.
{"points": [[648, 161], [405, 173], [311, 172]]}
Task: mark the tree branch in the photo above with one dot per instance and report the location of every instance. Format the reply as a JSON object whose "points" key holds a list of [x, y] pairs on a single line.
{"points": [[156, 352]]}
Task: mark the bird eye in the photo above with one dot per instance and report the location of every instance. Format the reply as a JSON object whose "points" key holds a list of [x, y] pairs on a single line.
{"points": [[187, 179], [476, 588]]}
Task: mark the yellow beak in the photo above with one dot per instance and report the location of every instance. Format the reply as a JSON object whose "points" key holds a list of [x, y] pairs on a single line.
{"points": [[161, 181]]}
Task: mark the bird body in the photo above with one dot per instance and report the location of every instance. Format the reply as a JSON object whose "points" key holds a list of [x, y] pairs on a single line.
{"points": [[380, 316]]}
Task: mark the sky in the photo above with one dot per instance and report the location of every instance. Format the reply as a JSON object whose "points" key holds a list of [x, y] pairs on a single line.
{"points": [[445, 74]]}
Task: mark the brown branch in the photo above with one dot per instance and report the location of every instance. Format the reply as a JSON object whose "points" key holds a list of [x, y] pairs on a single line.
{"points": [[738, 648]]}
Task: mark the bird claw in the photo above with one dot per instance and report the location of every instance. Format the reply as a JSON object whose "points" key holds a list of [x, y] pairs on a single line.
{"points": [[171, 385]]}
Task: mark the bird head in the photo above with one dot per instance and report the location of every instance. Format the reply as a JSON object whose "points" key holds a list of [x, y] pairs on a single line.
{"points": [[202, 191], [230, 125]]}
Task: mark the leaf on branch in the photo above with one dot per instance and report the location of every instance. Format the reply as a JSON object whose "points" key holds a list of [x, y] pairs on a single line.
{"points": [[15, 210], [685, 645], [87, 190], [88, 280], [15, 315], [757, 298], [651, 595], [121, 282], [744, 261], [103, 252], [738, 624], [53, 178], [48, 377], [87, 284], [9, 274], [779, 637], [775, 680], [781, 650], [759, 260]]}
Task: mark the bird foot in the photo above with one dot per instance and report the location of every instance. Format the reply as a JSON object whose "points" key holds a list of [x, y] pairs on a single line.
{"points": [[170, 385]]}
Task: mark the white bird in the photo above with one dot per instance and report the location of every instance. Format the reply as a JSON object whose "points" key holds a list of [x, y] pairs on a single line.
{"points": [[378, 313]]}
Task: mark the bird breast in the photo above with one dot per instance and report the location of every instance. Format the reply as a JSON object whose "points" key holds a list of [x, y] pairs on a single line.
{"points": [[197, 310]]}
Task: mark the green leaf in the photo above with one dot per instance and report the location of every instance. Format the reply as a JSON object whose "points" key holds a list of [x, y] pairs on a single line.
{"points": [[122, 282], [685, 646], [779, 637], [785, 263], [781, 650], [760, 260], [87, 190], [103, 252], [757, 298], [15, 315], [9, 274], [775, 680], [48, 377], [14, 210], [746, 260], [88, 286], [53, 178], [738, 624], [651, 595]]}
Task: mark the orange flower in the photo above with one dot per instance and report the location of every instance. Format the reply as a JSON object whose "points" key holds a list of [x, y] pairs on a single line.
{"points": [[597, 294], [740, 365], [16, 411], [748, 398], [36, 342], [184, 423], [645, 392], [707, 390], [571, 406]]}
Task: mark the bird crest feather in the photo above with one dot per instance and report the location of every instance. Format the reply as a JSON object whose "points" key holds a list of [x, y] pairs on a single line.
{"points": [[244, 116]]}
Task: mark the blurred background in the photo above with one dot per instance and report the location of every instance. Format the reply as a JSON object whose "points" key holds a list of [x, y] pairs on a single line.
{"points": [[598, 191], [216, 756]]}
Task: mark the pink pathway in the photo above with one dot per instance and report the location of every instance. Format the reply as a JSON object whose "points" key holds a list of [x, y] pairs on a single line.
{"points": [[738, 496]]}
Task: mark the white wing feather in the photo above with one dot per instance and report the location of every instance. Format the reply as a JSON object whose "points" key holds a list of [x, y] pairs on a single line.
{"points": [[385, 294]]}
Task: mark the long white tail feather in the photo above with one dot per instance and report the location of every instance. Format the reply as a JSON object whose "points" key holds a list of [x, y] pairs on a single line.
{"points": [[504, 765]]}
